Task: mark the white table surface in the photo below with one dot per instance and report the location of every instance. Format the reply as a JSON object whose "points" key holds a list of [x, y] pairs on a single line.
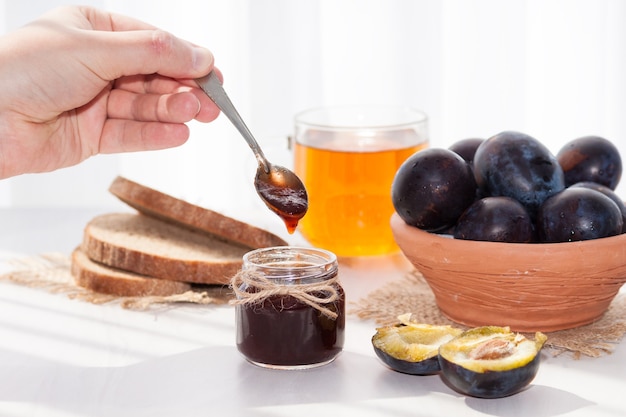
{"points": [[62, 357]]}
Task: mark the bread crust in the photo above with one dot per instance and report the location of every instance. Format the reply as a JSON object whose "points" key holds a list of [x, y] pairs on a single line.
{"points": [[170, 209], [106, 280], [148, 246]]}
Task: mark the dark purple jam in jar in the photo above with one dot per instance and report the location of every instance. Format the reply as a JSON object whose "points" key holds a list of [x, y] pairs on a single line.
{"points": [[290, 308]]}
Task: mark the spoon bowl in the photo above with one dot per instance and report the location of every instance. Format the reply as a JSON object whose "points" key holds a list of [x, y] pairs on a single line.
{"points": [[284, 194], [281, 190]]}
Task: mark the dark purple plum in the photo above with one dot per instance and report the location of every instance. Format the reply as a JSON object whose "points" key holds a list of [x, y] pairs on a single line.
{"points": [[489, 385], [490, 361], [466, 148], [412, 349], [578, 213], [609, 193], [495, 219], [432, 188], [591, 158], [516, 165]]}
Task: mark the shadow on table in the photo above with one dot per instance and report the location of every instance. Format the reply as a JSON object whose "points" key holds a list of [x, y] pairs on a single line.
{"points": [[213, 379], [536, 401]]}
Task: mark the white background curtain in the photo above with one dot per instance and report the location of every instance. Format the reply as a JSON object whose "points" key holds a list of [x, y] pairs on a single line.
{"points": [[554, 69]]}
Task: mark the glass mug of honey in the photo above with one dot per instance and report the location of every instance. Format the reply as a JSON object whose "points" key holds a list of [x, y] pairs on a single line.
{"points": [[347, 157]]}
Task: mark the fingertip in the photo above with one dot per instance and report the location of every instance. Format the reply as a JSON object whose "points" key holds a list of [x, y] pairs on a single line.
{"points": [[182, 107], [199, 109], [192, 106], [169, 135], [208, 110], [132, 136], [208, 113], [158, 136], [202, 60]]}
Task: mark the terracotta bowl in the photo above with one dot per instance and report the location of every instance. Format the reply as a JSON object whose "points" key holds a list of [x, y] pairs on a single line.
{"points": [[529, 287]]}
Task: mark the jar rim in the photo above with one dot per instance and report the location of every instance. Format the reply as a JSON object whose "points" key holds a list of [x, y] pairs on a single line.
{"points": [[313, 260], [283, 251]]}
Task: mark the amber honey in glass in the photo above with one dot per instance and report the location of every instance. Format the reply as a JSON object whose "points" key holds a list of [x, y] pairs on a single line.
{"points": [[347, 158]]}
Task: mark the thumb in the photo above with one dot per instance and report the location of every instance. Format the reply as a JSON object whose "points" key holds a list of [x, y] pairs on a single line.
{"points": [[149, 51]]}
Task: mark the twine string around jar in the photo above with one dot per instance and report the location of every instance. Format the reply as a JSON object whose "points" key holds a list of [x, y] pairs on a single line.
{"points": [[265, 287]]}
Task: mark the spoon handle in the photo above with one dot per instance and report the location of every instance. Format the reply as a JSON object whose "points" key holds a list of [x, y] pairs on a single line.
{"points": [[212, 86]]}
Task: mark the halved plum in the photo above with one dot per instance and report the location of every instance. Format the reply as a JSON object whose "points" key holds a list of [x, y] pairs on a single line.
{"points": [[412, 348], [490, 361]]}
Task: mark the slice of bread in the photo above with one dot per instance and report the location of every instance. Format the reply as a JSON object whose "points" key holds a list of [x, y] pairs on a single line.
{"points": [[106, 280], [148, 246], [170, 209]]}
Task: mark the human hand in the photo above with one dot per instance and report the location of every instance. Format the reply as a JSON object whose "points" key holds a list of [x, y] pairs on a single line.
{"points": [[80, 81]]}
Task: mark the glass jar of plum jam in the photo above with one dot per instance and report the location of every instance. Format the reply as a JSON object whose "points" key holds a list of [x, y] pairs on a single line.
{"points": [[290, 307]]}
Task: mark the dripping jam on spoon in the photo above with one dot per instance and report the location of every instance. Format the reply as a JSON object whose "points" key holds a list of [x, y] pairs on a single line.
{"points": [[281, 190], [284, 194]]}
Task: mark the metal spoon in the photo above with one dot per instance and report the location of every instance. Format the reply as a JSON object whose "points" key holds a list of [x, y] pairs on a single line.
{"points": [[280, 189]]}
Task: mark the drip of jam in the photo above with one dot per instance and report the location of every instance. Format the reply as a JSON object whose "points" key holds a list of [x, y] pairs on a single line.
{"points": [[284, 194]]}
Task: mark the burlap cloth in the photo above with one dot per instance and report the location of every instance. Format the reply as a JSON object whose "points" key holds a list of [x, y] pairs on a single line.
{"points": [[51, 272]]}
